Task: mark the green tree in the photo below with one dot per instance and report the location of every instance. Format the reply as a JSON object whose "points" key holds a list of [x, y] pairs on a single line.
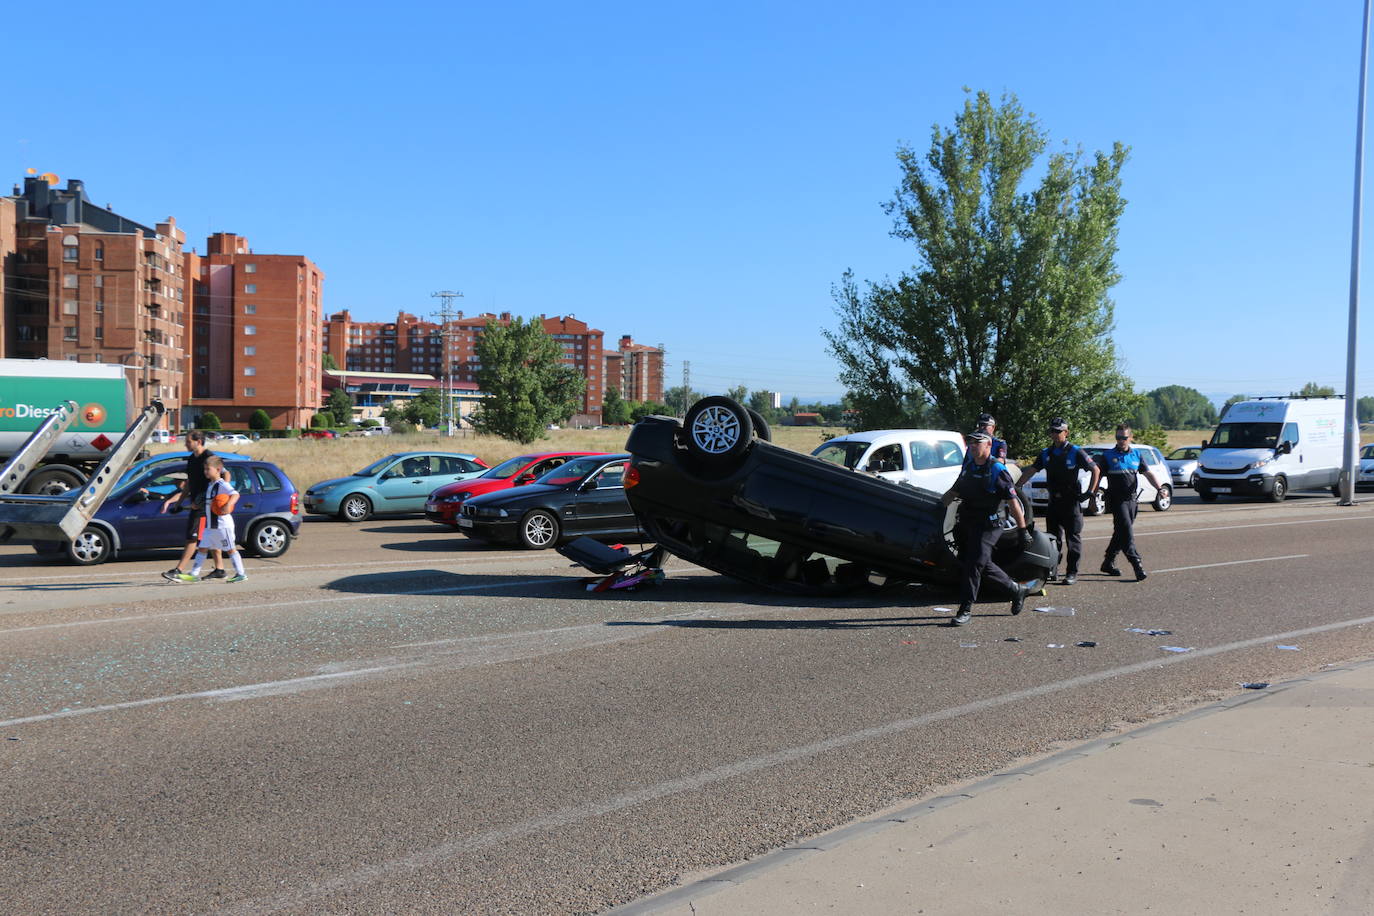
{"points": [[1176, 407], [321, 420], [340, 407], [1007, 308], [641, 409], [1364, 409], [615, 410], [529, 385], [425, 409], [259, 420], [679, 399], [1313, 390], [327, 362], [209, 420], [738, 393]]}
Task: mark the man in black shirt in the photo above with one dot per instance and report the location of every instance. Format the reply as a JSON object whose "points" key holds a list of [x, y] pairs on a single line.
{"points": [[1061, 462], [193, 486]]}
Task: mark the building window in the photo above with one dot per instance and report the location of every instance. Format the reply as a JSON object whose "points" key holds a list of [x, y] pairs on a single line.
{"points": [[69, 252], [250, 351], [250, 329], [99, 333], [73, 358], [99, 281], [250, 268], [100, 252], [250, 392], [250, 370], [69, 333], [250, 310], [99, 357], [69, 281], [250, 287], [202, 370], [69, 306]]}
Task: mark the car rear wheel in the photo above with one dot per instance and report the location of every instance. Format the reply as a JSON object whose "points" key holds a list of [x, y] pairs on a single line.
{"points": [[355, 508], [90, 547], [1192, 481], [1280, 489], [761, 427], [538, 530], [718, 430], [269, 538], [1163, 499]]}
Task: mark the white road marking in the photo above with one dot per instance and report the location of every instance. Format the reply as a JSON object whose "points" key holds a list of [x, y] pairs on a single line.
{"points": [[1291, 556], [1307, 521], [357, 876]]}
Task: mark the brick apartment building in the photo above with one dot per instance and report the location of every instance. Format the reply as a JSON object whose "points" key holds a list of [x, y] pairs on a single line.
{"points": [[410, 344], [84, 283], [255, 337], [636, 370]]}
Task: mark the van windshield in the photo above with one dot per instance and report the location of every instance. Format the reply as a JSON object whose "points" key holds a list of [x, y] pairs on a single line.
{"points": [[1246, 435], [845, 454]]}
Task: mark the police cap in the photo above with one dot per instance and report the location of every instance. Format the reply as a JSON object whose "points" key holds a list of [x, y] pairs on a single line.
{"points": [[1057, 425]]}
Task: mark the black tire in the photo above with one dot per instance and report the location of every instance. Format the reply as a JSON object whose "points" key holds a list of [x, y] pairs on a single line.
{"points": [[269, 538], [1207, 496], [1163, 499], [1097, 504], [52, 482], [1192, 481], [718, 431], [1280, 490], [91, 547], [355, 507], [538, 530], [761, 428]]}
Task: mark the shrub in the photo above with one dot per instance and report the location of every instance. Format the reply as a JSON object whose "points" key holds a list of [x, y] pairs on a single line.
{"points": [[259, 420], [209, 421]]}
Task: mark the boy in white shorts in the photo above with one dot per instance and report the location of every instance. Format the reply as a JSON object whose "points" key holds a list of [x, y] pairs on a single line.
{"points": [[218, 530]]}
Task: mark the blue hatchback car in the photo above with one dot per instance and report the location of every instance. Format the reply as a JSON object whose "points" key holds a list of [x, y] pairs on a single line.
{"points": [[267, 517]]}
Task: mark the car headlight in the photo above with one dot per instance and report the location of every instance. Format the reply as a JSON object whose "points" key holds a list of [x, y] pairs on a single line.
{"points": [[484, 512], [455, 498], [1260, 463]]}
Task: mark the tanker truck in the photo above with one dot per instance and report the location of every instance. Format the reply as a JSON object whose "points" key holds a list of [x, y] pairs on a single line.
{"points": [[33, 389]]}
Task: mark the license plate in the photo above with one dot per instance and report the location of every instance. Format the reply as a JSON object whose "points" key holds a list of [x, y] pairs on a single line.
{"points": [[464, 523], [431, 507], [1221, 489]]}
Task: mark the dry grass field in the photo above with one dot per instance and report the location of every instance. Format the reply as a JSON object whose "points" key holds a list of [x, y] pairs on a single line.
{"points": [[307, 461]]}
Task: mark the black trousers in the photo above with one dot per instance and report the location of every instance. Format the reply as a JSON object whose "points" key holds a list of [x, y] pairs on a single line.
{"points": [[976, 559], [1123, 531], [1064, 520]]}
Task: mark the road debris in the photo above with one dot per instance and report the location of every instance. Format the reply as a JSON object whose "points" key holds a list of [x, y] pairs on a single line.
{"points": [[1053, 611]]}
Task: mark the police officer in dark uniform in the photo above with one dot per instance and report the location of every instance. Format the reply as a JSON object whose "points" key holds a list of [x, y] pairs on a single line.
{"points": [[1123, 465], [1061, 462], [986, 424], [982, 486]]}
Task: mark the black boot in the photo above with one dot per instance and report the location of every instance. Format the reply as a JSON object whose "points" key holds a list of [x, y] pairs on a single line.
{"points": [[1139, 571], [962, 616], [1071, 578], [1018, 600], [1109, 567]]}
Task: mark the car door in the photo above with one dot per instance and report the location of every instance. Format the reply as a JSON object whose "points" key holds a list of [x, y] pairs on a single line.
{"points": [[246, 509], [601, 504], [935, 463], [1151, 458], [404, 486], [137, 511]]}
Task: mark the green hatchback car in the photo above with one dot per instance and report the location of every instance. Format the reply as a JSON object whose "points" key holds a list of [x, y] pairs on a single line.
{"points": [[398, 483]]}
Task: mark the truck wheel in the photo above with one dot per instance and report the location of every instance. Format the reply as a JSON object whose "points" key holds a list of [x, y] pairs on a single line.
{"points": [[90, 547], [718, 430], [52, 482], [1280, 489], [355, 508], [269, 538]]}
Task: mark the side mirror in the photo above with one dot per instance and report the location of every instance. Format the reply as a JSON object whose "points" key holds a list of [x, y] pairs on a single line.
{"points": [[1285, 447], [524, 479], [588, 484]]}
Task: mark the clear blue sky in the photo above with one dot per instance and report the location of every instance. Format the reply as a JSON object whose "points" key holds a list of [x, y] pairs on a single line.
{"points": [[699, 175]]}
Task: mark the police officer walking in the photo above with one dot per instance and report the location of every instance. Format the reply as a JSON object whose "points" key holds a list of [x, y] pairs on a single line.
{"points": [[982, 486], [1123, 466], [1061, 462], [986, 424]]}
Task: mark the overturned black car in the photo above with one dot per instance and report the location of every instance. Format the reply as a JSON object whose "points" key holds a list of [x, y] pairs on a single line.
{"points": [[712, 490]]}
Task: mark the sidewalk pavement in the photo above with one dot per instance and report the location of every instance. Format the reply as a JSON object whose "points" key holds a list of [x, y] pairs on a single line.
{"points": [[1262, 803]]}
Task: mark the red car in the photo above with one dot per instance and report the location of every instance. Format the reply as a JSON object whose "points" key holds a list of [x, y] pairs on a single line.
{"points": [[319, 434], [445, 503]]}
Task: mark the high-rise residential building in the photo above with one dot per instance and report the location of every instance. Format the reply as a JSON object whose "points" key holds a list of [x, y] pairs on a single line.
{"points": [[636, 370], [410, 344], [255, 339], [84, 283]]}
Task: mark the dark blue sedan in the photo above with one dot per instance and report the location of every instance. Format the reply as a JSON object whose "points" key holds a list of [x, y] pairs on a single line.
{"points": [[267, 517]]}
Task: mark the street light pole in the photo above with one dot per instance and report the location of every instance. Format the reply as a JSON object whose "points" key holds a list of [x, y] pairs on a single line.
{"points": [[1352, 430]]}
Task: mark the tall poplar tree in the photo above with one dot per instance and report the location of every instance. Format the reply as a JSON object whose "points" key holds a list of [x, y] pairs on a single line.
{"points": [[527, 383], [1006, 309]]}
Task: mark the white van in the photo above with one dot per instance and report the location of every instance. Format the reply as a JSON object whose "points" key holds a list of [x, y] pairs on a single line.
{"points": [[1269, 446], [161, 437], [925, 458]]}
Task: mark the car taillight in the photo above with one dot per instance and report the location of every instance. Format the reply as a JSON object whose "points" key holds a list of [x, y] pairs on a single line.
{"points": [[631, 476], [295, 502]]}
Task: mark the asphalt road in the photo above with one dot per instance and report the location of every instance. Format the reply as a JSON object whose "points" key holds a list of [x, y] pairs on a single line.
{"points": [[391, 718]]}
